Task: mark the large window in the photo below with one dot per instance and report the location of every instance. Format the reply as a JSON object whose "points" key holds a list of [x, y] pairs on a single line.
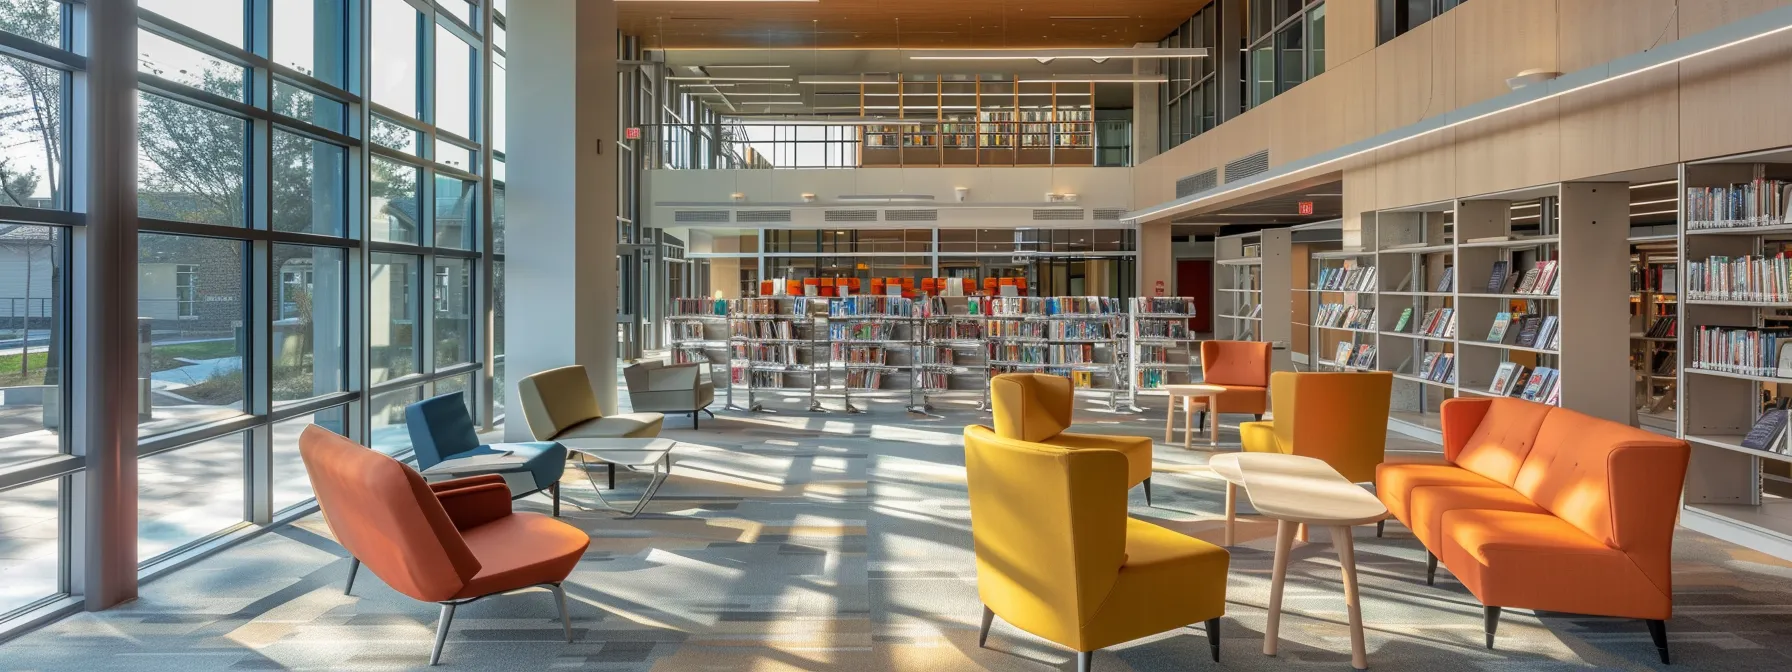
{"points": [[1287, 46], [313, 249], [1189, 98], [1398, 16]]}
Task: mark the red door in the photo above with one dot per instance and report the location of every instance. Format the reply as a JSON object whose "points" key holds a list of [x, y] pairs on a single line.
{"points": [[1194, 277]]}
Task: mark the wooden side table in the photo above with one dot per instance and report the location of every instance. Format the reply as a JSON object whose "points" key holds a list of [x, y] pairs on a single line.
{"points": [[1210, 395], [1296, 491]]}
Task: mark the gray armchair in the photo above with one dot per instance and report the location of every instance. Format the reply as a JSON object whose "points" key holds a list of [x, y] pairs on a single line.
{"points": [[654, 386]]}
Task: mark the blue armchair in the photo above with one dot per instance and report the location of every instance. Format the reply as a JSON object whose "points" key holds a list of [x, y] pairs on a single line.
{"points": [[442, 431]]}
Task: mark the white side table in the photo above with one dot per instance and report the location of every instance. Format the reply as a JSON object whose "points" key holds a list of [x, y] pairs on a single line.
{"points": [[1296, 491], [1210, 395], [630, 454]]}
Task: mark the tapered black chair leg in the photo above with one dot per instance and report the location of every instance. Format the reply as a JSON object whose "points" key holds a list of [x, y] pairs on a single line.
{"points": [[1658, 631], [693, 420], [354, 566], [1147, 492], [983, 632], [1430, 569], [1490, 623], [554, 489], [612, 466], [1380, 527], [1259, 417], [1213, 637]]}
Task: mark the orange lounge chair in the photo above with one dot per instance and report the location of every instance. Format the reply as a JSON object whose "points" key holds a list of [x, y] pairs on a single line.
{"points": [[451, 542], [1538, 507], [1242, 367]]}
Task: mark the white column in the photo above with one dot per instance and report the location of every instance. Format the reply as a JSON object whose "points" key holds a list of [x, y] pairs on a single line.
{"points": [[106, 308], [560, 240]]}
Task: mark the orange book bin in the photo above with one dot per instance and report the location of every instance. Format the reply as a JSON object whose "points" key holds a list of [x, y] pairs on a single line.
{"points": [[765, 288]]}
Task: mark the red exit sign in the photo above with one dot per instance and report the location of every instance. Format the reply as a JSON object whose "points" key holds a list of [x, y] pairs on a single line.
{"points": [[1306, 207], [634, 133]]}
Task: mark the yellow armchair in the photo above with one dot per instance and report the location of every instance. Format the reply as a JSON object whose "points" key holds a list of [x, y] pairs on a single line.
{"points": [[1058, 557], [1036, 408], [1339, 418]]}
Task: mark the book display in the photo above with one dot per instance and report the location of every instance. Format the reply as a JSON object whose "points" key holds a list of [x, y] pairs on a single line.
{"points": [[951, 357], [873, 343], [1079, 337], [1471, 299], [1342, 320], [697, 332], [1250, 270], [1163, 348], [778, 344], [1733, 323]]}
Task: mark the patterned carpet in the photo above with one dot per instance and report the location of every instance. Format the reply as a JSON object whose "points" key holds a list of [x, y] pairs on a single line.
{"points": [[798, 541]]}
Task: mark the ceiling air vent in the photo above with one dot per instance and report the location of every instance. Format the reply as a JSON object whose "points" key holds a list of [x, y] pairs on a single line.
{"points": [[762, 216], [700, 216], [850, 215], [911, 215], [1248, 166], [1109, 214], [1197, 183], [1058, 215]]}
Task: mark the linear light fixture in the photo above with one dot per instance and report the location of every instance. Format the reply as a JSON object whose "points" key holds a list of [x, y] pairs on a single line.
{"points": [[765, 94], [704, 85], [695, 78], [1099, 79], [1764, 24], [845, 79], [884, 197], [1049, 55], [748, 66]]}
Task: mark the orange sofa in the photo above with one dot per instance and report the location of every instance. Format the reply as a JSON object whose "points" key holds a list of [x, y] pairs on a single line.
{"points": [[1538, 507]]}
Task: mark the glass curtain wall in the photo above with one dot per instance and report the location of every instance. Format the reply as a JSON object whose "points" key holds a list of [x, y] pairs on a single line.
{"points": [[1395, 17], [1287, 46], [1190, 98], [320, 185]]}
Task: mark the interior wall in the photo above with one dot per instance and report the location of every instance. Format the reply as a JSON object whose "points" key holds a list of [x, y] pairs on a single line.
{"points": [[1723, 103]]}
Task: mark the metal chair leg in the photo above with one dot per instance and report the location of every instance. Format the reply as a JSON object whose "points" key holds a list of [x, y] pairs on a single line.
{"points": [[435, 654], [554, 489], [354, 566], [989, 616], [693, 420], [565, 616], [612, 466], [1084, 660]]}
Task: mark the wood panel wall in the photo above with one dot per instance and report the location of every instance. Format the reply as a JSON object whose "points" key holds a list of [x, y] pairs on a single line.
{"points": [[1724, 103]]}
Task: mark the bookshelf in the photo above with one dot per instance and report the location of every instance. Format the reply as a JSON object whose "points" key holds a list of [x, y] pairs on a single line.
{"points": [[1080, 337], [1732, 209], [1654, 328], [873, 342], [1238, 288], [952, 358], [778, 344], [1163, 349], [978, 121], [1342, 278], [697, 331], [1414, 254]]}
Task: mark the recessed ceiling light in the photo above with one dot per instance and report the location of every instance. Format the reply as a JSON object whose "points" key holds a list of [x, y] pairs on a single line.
{"points": [[1049, 55]]}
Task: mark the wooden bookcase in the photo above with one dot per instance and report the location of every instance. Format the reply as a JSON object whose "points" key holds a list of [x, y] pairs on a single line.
{"points": [[1654, 300], [1247, 268], [1734, 493], [983, 121], [1414, 249]]}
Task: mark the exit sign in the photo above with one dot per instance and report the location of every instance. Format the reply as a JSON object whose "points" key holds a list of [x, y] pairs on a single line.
{"points": [[634, 133], [1306, 207]]}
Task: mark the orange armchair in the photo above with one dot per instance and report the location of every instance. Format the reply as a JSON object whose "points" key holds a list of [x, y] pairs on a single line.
{"points": [[1538, 507], [451, 542], [1036, 408], [1242, 367]]}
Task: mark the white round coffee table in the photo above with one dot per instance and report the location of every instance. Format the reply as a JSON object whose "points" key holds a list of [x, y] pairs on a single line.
{"points": [[1296, 491], [1210, 395]]}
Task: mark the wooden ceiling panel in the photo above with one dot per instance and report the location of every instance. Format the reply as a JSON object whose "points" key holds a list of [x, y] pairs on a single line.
{"points": [[915, 24]]}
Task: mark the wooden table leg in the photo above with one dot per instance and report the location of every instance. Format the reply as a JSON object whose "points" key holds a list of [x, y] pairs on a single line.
{"points": [[1347, 561], [1213, 420], [1284, 542], [1169, 417], [1188, 422], [1231, 510]]}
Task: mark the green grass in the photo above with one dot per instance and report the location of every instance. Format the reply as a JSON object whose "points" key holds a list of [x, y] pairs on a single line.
{"points": [[11, 376]]}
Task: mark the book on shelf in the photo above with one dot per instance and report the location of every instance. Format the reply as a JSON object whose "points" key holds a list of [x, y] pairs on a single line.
{"points": [[1546, 332], [1424, 370], [1442, 324], [1501, 322], [1447, 283], [1443, 369], [1554, 398], [1424, 326], [1747, 278], [1555, 340], [1740, 350], [1528, 327], [1760, 202], [1538, 386], [1502, 378], [1450, 326], [1530, 281], [1546, 278], [1666, 326], [1342, 356], [1405, 316], [1365, 357], [1769, 431], [1497, 278]]}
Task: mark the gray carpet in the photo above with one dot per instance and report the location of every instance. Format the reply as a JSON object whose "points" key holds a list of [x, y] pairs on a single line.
{"points": [[798, 541]]}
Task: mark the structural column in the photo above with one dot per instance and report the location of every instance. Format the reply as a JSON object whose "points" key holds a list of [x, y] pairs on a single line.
{"points": [[1157, 259], [106, 308], [561, 235]]}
